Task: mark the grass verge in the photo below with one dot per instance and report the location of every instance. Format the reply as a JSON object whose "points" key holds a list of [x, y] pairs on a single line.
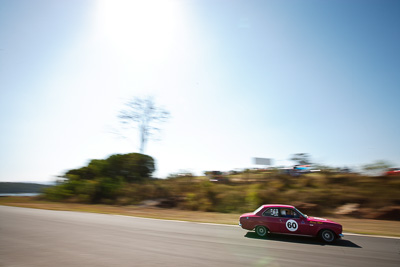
{"points": [[351, 225]]}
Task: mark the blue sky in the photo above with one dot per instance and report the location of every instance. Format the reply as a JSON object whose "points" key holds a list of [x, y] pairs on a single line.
{"points": [[241, 79]]}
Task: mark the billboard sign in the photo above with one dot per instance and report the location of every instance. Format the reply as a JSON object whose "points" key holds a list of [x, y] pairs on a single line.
{"points": [[262, 161]]}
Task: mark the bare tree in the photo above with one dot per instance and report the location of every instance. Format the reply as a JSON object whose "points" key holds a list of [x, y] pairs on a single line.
{"points": [[301, 158], [144, 115]]}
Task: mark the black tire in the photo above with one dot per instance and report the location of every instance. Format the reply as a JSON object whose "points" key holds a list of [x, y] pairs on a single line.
{"points": [[261, 231], [327, 236]]}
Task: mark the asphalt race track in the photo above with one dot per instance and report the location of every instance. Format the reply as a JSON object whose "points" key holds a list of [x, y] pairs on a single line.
{"points": [[30, 237]]}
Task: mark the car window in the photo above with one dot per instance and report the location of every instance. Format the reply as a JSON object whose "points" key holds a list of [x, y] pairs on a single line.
{"points": [[273, 212], [257, 210], [289, 213]]}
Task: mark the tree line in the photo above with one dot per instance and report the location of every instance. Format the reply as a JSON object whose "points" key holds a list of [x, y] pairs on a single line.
{"points": [[101, 181]]}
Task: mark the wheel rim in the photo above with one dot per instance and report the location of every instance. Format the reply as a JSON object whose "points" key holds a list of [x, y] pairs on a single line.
{"points": [[328, 236], [261, 231]]}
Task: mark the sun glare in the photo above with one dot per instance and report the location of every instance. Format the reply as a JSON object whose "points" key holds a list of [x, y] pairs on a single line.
{"points": [[139, 30]]}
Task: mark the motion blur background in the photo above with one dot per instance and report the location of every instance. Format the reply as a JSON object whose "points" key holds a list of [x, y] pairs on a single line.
{"points": [[241, 79]]}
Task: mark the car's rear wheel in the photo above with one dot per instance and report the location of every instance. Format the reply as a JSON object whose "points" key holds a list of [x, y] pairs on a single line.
{"points": [[327, 236], [261, 230]]}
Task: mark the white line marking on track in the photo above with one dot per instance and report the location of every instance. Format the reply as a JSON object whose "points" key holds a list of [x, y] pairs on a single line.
{"points": [[172, 220], [381, 236], [231, 225]]}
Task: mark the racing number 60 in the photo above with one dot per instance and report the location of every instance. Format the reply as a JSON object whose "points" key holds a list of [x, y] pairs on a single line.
{"points": [[291, 225]]}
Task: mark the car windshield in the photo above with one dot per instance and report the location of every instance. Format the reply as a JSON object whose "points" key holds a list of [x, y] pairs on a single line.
{"points": [[257, 210], [305, 216]]}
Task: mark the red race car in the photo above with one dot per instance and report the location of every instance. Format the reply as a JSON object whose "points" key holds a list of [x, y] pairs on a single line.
{"points": [[285, 219]]}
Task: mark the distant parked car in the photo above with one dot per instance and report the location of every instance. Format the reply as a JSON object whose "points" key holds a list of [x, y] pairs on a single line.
{"points": [[285, 219], [216, 176], [298, 170], [393, 171]]}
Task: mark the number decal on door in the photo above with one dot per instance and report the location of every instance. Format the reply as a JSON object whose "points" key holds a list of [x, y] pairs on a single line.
{"points": [[291, 225]]}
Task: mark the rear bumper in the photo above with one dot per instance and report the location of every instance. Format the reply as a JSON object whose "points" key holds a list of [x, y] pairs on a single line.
{"points": [[246, 226]]}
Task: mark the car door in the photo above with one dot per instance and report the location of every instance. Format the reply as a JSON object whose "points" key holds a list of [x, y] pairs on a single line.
{"points": [[292, 222], [270, 219]]}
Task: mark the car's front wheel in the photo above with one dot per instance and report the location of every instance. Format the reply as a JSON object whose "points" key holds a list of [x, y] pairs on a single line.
{"points": [[261, 230], [327, 236]]}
